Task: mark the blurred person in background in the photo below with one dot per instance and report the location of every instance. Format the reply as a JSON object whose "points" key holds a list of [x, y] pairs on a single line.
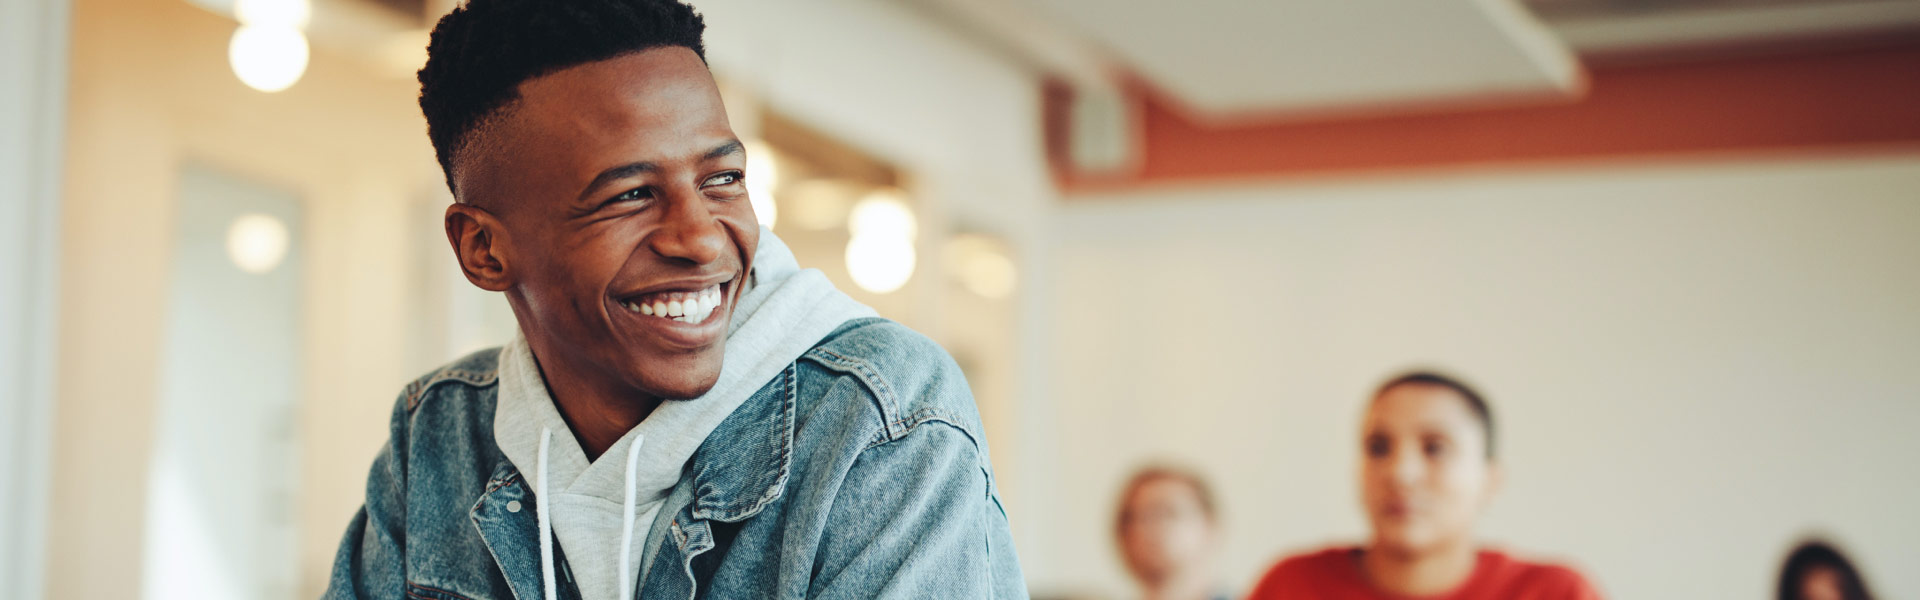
{"points": [[605, 453], [1428, 473], [1816, 570], [1168, 529]]}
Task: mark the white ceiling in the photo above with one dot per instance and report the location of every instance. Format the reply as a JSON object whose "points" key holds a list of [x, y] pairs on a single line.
{"points": [[1225, 57]]}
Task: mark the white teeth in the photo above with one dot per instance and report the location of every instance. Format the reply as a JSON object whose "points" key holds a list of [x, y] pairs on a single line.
{"points": [[685, 307]]}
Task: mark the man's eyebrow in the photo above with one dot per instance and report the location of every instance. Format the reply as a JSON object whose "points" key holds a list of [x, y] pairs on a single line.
{"points": [[731, 147], [616, 174]]}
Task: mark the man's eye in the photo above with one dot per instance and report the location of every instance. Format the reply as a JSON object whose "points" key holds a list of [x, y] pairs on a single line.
{"points": [[639, 193], [728, 178], [1378, 448]]}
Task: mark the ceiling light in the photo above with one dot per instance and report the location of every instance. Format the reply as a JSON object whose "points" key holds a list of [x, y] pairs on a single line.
{"points": [[880, 264], [883, 213], [292, 14], [880, 255], [268, 58], [257, 243]]}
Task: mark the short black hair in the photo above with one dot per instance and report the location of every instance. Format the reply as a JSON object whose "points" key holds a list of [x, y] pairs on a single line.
{"points": [[1474, 400], [483, 50], [1815, 554]]}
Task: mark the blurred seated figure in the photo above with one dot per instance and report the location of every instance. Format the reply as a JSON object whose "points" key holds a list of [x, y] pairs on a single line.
{"points": [[1816, 570], [1167, 530], [1427, 474]]}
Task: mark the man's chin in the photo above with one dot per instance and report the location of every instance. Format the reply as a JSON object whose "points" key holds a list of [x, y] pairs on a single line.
{"points": [[673, 376], [681, 390]]}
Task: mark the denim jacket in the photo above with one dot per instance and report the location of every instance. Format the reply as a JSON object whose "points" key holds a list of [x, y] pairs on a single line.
{"points": [[859, 472]]}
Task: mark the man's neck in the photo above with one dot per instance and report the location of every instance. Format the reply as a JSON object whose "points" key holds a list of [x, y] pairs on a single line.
{"points": [[599, 410], [1419, 573]]}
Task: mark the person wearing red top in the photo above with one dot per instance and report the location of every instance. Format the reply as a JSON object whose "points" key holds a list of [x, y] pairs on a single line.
{"points": [[1428, 472]]}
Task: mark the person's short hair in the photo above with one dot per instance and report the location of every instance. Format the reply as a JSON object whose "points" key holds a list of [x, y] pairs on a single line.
{"points": [[1155, 473], [1816, 554], [1475, 401], [482, 51]]}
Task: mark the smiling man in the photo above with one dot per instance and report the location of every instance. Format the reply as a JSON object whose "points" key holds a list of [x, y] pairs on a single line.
{"points": [[686, 412]]}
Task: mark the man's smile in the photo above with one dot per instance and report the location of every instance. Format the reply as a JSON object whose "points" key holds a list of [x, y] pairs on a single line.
{"points": [[688, 314]]}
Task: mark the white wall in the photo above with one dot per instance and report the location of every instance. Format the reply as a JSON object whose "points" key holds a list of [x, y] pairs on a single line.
{"points": [[33, 77], [1692, 364]]}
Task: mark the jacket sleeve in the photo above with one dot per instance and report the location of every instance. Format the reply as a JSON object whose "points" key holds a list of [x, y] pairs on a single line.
{"points": [[371, 561], [916, 518]]}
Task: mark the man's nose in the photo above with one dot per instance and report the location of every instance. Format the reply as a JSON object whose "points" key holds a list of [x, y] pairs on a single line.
{"points": [[688, 230], [1408, 467]]}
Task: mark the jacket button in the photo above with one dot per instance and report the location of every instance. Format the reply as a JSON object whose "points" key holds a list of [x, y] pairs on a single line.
{"points": [[513, 506]]}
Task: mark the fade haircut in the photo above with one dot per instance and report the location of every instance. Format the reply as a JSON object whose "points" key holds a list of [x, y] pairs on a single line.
{"points": [[482, 51], [1481, 411]]}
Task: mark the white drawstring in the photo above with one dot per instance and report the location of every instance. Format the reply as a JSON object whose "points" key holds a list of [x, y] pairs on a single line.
{"points": [[540, 500], [626, 527], [541, 513]]}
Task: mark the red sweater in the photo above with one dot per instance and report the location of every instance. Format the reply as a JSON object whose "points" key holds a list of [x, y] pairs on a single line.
{"points": [[1334, 574]]}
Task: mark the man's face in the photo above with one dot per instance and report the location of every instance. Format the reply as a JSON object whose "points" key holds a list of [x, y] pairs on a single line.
{"points": [[1822, 583], [1164, 529], [1425, 474], [618, 190]]}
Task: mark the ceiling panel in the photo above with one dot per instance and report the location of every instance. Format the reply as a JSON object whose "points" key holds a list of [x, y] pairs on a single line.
{"points": [[1224, 57]]}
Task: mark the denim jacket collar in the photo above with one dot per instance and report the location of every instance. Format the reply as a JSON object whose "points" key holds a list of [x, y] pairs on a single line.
{"points": [[744, 463], [740, 469]]}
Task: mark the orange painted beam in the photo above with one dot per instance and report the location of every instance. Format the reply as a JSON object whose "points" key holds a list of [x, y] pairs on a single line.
{"points": [[1862, 96]]}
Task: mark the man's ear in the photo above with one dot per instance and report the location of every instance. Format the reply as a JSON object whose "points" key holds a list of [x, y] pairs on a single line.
{"points": [[480, 243]]}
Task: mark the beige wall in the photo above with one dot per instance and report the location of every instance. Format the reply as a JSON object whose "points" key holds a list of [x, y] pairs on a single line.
{"points": [[1692, 362], [151, 90]]}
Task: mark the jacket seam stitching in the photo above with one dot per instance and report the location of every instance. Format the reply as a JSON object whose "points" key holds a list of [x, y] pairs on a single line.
{"points": [[935, 416], [418, 390], [876, 383], [495, 485], [923, 417]]}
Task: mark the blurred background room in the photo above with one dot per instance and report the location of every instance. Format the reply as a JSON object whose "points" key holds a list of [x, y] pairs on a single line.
{"points": [[1675, 242]]}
